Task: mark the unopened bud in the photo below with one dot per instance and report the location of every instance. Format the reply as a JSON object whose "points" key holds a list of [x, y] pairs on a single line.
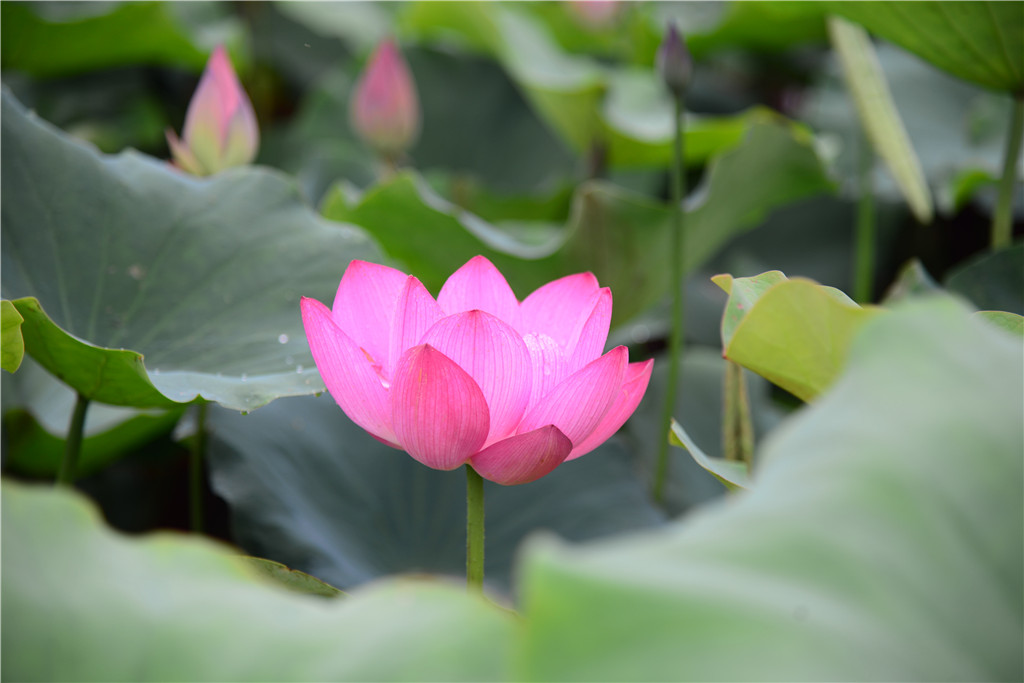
{"points": [[220, 125], [384, 110], [675, 65], [595, 14]]}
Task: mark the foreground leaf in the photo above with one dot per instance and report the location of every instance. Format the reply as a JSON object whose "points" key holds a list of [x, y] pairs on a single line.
{"points": [[1011, 322], [871, 549], [795, 333], [110, 259], [92, 604], [10, 332], [292, 579]]}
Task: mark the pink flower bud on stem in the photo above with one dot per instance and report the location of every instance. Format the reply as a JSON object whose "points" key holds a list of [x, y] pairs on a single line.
{"points": [[384, 109], [220, 125]]}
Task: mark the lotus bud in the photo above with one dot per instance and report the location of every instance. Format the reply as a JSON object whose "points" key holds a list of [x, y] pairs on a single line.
{"points": [[384, 110], [595, 14], [220, 125], [675, 65]]}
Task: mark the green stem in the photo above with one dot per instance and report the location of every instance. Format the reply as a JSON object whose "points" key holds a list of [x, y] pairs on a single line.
{"points": [[1002, 223], [196, 478], [737, 426], [675, 344], [864, 253], [474, 529], [73, 445]]}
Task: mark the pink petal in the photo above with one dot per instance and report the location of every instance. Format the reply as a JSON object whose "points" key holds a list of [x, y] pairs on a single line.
{"points": [[415, 312], [478, 285], [555, 308], [633, 387], [365, 305], [349, 377], [591, 333], [440, 414], [577, 405], [495, 356], [549, 365], [524, 457]]}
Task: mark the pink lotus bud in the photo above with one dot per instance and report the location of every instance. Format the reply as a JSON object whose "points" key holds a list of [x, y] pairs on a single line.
{"points": [[513, 389], [384, 109], [595, 14], [220, 125]]}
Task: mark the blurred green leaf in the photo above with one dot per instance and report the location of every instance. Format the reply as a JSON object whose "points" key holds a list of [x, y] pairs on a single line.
{"points": [[734, 475], [625, 110], [769, 26], [871, 549], [13, 342], [620, 236], [992, 280], [309, 488], [1011, 322], [92, 604], [956, 129], [795, 333], [123, 34], [878, 114], [976, 40], [292, 579], [129, 257]]}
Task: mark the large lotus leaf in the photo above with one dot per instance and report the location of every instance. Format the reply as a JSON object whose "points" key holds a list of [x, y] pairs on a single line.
{"points": [[879, 117], [13, 349], [619, 235], [977, 40], [120, 257], [957, 129], [37, 409], [624, 109], [992, 280], [39, 41], [309, 488], [795, 333], [882, 541], [91, 604]]}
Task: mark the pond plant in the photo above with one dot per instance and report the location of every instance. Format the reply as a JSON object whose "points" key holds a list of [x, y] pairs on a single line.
{"points": [[716, 305]]}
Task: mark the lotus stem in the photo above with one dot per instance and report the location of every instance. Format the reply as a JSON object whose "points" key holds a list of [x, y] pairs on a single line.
{"points": [[196, 478], [675, 344], [864, 252], [73, 445], [474, 529], [737, 426], [1002, 221]]}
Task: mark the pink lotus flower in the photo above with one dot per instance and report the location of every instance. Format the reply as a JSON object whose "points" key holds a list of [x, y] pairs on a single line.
{"points": [[384, 110], [220, 125], [513, 389]]}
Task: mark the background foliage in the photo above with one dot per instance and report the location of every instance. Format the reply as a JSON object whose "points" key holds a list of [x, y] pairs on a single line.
{"points": [[879, 535]]}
